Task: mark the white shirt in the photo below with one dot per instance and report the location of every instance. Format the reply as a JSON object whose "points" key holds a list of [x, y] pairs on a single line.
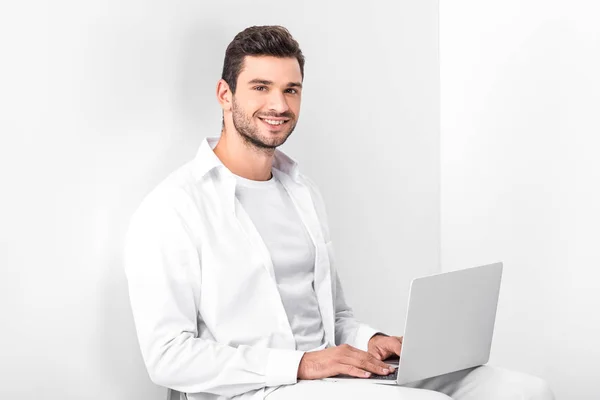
{"points": [[293, 254], [208, 314]]}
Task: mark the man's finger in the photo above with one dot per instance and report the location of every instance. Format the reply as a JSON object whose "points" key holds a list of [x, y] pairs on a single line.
{"points": [[377, 360], [366, 364], [397, 345], [354, 349]]}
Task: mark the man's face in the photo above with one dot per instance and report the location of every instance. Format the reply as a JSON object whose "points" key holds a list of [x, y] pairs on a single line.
{"points": [[266, 104]]}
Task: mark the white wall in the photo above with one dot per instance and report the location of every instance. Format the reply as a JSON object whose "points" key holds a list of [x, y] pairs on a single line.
{"points": [[520, 86], [100, 100]]}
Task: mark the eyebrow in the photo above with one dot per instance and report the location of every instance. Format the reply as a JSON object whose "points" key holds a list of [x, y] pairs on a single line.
{"points": [[267, 82]]}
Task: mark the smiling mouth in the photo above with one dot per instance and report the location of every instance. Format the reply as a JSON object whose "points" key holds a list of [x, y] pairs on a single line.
{"points": [[274, 122]]}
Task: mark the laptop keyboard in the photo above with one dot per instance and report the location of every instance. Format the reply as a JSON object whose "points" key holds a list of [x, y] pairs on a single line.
{"points": [[390, 377]]}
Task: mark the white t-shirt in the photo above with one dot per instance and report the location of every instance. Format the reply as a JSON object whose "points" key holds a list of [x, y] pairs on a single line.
{"points": [[272, 211]]}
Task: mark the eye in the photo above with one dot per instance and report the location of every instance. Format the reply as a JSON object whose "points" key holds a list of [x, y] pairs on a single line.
{"points": [[292, 91], [260, 88]]}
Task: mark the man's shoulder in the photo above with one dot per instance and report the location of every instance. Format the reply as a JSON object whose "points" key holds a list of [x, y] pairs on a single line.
{"points": [[172, 194]]}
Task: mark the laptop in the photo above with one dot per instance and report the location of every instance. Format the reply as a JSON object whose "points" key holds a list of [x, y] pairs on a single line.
{"points": [[449, 325]]}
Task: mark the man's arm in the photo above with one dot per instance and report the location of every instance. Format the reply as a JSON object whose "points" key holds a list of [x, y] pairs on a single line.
{"points": [[163, 269]]}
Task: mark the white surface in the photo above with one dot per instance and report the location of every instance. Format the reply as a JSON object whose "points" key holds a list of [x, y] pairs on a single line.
{"points": [[486, 382], [520, 176], [100, 100]]}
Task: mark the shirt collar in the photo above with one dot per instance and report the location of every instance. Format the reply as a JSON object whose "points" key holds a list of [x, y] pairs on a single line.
{"points": [[206, 160]]}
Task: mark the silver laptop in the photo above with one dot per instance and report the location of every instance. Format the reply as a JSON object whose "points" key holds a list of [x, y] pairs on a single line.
{"points": [[449, 325]]}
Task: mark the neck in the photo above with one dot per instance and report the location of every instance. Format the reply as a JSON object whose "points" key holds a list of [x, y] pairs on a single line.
{"points": [[244, 159]]}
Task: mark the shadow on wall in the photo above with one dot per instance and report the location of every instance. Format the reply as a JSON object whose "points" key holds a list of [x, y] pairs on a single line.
{"points": [[197, 115]]}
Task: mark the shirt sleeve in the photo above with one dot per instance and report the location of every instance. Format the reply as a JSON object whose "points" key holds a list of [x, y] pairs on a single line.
{"points": [[163, 270]]}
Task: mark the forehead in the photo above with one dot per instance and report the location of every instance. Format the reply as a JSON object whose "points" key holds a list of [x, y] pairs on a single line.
{"points": [[278, 70]]}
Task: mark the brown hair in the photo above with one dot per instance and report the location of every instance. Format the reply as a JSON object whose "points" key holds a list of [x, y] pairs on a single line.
{"points": [[258, 41]]}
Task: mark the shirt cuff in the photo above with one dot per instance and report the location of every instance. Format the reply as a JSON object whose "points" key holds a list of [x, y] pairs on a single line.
{"points": [[363, 335], [282, 366]]}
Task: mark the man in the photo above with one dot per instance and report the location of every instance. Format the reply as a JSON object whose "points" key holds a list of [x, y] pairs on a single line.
{"points": [[230, 265]]}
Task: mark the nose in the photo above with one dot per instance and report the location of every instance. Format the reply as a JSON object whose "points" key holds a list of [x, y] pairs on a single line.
{"points": [[277, 102]]}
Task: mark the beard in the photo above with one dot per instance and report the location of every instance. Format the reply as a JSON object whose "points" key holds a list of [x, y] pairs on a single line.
{"points": [[253, 135]]}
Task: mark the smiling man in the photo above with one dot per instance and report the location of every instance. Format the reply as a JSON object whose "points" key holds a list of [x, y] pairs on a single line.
{"points": [[231, 270], [261, 115]]}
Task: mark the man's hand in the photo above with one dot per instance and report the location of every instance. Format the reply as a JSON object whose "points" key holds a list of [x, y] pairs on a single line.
{"points": [[343, 359], [382, 346]]}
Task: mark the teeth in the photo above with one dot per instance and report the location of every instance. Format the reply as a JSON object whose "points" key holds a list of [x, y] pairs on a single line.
{"points": [[271, 122]]}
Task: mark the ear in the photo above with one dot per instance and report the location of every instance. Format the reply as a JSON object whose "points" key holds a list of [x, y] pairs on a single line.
{"points": [[224, 95]]}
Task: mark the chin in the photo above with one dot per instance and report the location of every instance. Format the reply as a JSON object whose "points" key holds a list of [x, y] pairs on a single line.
{"points": [[274, 139]]}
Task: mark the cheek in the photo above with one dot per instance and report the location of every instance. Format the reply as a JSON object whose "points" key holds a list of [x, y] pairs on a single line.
{"points": [[295, 106], [295, 102], [254, 105], [249, 105]]}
